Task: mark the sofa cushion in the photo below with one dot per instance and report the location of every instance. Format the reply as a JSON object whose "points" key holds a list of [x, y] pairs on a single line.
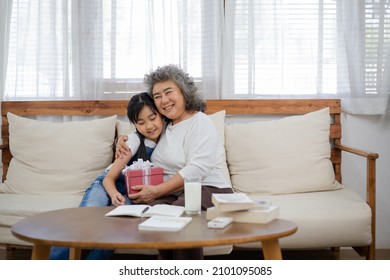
{"points": [[124, 127], [57, 158], [218, 119], [288, 155], [325, 219], [16, 207]]}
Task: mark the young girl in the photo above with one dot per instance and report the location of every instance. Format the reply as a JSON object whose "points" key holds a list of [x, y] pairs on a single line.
{"points": [[109, 188]]}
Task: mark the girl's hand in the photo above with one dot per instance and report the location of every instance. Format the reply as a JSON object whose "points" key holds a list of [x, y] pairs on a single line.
{"points": [[118, 199], [146, 194], [121, 147]]}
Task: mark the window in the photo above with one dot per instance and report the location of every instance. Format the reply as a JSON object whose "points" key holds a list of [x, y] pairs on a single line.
{"points": [[377, 34], [39, 53], [284, 48], [140, 35], [73, 49], [308, 47]]}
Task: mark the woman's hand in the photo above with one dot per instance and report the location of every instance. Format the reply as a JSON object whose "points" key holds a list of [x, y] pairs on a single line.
{"points": [[149, 193], [146, 194], [121, 147]]}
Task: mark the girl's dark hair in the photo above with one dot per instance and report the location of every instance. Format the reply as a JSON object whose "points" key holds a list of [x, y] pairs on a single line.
{"points": [[134, 107], [193, 100]]}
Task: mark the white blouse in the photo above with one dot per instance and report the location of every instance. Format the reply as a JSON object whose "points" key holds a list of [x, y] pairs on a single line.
{"points": [[191, 148]]}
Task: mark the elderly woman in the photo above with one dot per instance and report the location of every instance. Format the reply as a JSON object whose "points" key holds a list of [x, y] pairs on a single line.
{"points": [[188, 147]]}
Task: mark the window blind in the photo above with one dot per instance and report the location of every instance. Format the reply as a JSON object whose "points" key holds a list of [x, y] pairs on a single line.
{"points": [[284, 47], [304, 47], [377, 37]]}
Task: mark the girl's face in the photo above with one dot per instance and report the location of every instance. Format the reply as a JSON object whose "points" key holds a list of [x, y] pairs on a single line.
{"points": [[169, 101], [149, 124]]}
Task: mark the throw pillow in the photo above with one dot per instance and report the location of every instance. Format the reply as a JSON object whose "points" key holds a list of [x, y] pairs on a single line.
{"points": [[57, 158], [124, 127], [218, 119], [289, 155]]}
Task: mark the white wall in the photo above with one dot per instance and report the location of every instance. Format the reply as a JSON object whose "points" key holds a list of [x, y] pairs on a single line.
{"points": [[370, 133]]}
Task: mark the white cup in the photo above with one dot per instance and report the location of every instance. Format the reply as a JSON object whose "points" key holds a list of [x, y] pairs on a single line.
{"points": [[192, 195]]}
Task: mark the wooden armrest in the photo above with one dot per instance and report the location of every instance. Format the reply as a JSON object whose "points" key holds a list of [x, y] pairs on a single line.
{"points": [[366, 154], [370, 187], [370, 173], [3, 144]]}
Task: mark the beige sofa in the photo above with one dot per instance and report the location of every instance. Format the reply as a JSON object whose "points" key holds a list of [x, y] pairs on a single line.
{"points": [[292, 160]]}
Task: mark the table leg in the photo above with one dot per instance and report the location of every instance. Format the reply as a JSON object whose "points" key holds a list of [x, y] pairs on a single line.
{"points": [[271, 249], [40, 252], [74, 253]]}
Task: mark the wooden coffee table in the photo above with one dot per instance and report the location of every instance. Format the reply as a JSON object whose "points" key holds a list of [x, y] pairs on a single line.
{"points": [[88, 228]]}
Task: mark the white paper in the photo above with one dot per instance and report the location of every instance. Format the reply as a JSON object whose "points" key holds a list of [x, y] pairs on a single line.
{"points": [[164, 223]]}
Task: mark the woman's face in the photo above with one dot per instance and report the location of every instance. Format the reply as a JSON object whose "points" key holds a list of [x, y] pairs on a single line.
{"points": [[169, 101], [149, 124]]}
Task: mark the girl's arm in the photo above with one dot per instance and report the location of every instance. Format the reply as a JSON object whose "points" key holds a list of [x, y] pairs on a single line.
{"points": [[111, 177]]}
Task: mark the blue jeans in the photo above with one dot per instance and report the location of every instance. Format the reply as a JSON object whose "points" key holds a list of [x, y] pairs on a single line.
{"points": [[95, 195]]}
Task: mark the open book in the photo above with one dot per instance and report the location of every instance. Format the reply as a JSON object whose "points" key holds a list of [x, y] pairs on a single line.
{"points": [[144, 210], [164, 223]]}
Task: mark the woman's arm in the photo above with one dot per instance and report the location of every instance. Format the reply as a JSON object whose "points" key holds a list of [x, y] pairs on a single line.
{"points": [[189, 153], [121, 148], [111, 177], [149, 193]]}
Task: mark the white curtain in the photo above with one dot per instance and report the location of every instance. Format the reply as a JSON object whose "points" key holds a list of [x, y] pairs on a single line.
{"points": [[39, 51], [364, 52], [101, 49], [5, 18], [309, 48], [73, 49]]}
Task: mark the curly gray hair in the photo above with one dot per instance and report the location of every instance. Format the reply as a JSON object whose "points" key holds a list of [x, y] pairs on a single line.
{"points": [[193, 100]]}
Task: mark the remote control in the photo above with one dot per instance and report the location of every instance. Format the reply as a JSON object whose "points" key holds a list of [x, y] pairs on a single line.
{"points": [[220, 222]]}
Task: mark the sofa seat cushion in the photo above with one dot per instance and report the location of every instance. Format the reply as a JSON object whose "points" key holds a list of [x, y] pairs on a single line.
{"points": [[15, 207], [8, 238], [325, 219]]}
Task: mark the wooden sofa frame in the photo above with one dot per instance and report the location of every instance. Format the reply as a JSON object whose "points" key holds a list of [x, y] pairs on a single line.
{"points": [[232, 107]]}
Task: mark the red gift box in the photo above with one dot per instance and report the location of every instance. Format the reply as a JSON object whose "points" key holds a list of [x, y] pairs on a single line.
{"points": [[150, 176]]}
